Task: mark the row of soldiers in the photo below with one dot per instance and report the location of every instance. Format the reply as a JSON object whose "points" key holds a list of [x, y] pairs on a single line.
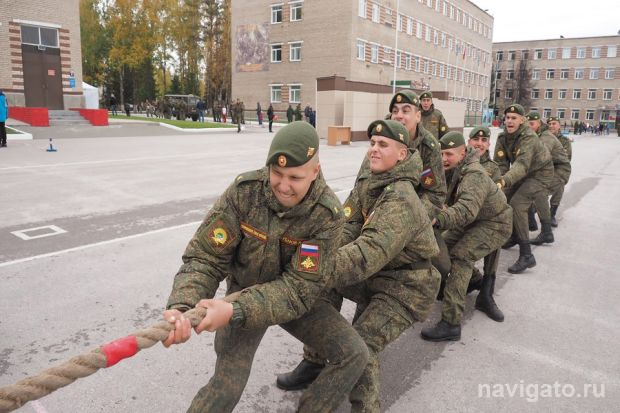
{"points": [[422, 211]]}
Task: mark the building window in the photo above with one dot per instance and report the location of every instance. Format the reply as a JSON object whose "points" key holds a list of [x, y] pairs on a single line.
{"points": [[606, 94], [361, 8], [546, 113], [548, 93], [39, 36], [428, 34], [581, 53], [562, 94], [361, 50], [276, 53], [508, 94], [408, 58], [295, 51], [512, 55], [596, 52], [276, 14], [435, 37], [566, 53], [499, 55], [399, 23], [417, 64], [535, 74], [537, 54], [551, 54], [561, 113], [427, 65], [296, 11], [593, 73], [399, 59], [611, 51], [589, 114], [550, 74], [386, 55], [434, 71], [574, 114], [525, 54], [535, 93], [510, 74], [294, 93], [443, 40], [410, 26], [452, 12], [591, 94], [578, 73], [276, 93], [374, 53], [497, 93], [442, 71], [609, 73], [498, 75], [418, 30], [564, 74], [375, 13], [576, 93]]}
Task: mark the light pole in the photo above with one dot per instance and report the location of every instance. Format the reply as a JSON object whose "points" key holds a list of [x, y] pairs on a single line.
{"points": [[395, 46]]}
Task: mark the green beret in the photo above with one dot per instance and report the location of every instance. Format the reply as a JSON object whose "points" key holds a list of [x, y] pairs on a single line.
{"points": [[480, 131], [426, 95], [533, 116], [294, 145], [451, 140], [515, 108], [553, 118], [389, 129], [405, 96]]}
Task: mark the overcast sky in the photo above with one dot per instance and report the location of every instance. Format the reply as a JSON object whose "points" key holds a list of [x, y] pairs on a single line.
{"points": [[548, 19]]}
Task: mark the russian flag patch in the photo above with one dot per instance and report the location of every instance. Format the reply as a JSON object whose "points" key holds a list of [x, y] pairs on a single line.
{"points": [[309, 257]]}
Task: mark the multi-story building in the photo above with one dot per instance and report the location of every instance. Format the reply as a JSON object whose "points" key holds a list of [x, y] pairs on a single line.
{"points": [[281, 47], [576, 79], [40, 53]]}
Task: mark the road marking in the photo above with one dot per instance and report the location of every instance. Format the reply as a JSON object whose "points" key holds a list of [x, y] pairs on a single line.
{"points": [[53, 230], [96, 244]]}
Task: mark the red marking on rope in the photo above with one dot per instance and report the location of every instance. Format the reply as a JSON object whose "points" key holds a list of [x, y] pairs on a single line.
{"points": [[119, 349]]}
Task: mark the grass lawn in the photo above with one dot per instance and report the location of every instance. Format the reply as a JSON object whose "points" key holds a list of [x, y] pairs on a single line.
{"points": [[185, 124]]}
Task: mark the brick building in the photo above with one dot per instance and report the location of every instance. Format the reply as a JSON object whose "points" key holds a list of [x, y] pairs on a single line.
{"points": [[574, 79], [280, 48], [40, 55]]}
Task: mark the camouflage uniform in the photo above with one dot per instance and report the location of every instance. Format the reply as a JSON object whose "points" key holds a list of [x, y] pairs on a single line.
{"points": [[558, 191], [561, 169], [491, 261], [527, 169], [477, 222], [281, 258], [434, 122]]}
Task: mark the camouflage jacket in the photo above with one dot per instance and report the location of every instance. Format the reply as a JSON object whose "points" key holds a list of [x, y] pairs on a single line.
{"points": [[387, 226], [282, 258], [568, 147], [434, 122], [561, 163], [472, 196], [522, 155], [490, 166]]}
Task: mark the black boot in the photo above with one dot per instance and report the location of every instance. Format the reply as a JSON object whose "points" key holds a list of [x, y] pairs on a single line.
{"points": [[531, 218], [512, 241], [545, 236], [554, 222], [475, 282], [442, 331], [485, 301], [301, 377], [526, 259]]}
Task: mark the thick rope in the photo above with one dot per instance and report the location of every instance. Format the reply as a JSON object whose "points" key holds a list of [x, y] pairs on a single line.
{"points": [[50, 380]]}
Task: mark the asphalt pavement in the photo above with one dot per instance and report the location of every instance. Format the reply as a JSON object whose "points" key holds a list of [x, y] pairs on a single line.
{"points": [[91, 237]]}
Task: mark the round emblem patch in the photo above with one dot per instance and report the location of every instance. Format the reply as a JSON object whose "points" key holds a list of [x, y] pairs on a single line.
{"points": [[379, 128], [347, 212], [399, 98], [282, 160], [219, 236], [481, 133], [500, 154]]}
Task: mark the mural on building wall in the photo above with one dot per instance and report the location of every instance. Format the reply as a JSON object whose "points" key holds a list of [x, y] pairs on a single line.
{"points": [[252, 48]]}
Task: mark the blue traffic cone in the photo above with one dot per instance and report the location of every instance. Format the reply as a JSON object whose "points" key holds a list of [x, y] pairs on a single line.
{"points": [[51, 148]]}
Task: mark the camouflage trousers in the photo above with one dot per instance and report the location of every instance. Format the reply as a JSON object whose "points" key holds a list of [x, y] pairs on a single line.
{"points": [[557, 191], [387, 305], [322, 327], [467, 246], [520, 197]]}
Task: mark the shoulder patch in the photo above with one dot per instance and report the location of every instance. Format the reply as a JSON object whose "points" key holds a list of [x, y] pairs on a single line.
{"points": [[428, 178], [309, 258], [348, 209], [218, 235], [332, 203], [500, 154]]}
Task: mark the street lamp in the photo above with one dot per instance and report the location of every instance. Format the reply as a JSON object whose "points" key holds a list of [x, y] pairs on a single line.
{"points": [[395, 46]]}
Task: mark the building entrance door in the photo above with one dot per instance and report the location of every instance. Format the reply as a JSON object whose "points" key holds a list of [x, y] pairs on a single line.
{"points": [[42, 76]]}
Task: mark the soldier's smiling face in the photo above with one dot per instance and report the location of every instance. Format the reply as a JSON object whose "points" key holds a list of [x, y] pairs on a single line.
{"points": [[513, 121], [408, 115], [426, 103], [290, 185], [554, 126], [480, 143], [384, 153]]}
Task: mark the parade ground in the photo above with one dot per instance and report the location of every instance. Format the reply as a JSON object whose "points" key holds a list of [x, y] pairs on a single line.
{"points": [[92, 235]]}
